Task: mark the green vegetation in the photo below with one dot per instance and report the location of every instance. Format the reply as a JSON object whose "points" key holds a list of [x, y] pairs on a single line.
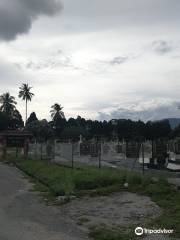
{"points": [[66, 181], [10, 117], [4, 120], [56, 112], [8, 104], [92, 181], [71, 128], [25, 94], [166, 197]]}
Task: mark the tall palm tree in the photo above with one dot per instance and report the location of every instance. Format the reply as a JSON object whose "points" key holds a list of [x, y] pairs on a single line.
{"points": [[26, 95], [56, 111], [8, 104]]}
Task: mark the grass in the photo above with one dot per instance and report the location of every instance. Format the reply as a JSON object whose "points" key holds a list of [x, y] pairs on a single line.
{"points": [[66, 181], [57, 180], [166, 197]]}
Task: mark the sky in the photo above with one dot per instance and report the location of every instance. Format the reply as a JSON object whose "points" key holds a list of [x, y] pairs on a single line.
{"points": [[100, 59]]}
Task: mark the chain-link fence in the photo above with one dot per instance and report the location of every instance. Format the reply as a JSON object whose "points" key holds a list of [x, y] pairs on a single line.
{"points": [[132, 155]]}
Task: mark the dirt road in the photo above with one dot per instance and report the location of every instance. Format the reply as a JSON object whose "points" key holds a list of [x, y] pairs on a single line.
{"points": [[23, 216]]}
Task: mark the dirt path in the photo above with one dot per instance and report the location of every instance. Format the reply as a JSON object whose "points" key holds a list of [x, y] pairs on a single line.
{"points": [[119, 209], [24, 217], [175, 181]]}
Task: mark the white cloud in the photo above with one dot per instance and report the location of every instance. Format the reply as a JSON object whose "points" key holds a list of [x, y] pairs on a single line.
{"points": [[98, 56]]}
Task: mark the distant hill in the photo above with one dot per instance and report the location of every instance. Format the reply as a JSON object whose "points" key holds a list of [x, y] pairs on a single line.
{"points": [[174, 122]]}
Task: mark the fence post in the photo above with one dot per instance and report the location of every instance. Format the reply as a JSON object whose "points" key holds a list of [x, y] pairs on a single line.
{"points": [[99, 156], [72, 156], [35, 153], [143, 155], [41, 151], [16, 152]]}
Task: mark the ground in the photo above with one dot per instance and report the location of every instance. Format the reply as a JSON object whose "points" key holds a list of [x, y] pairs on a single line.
{"points": [[25, 216], [174, 181], [116, 210]]}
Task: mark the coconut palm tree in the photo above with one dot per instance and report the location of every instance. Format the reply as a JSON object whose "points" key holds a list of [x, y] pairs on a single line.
{"points": [[57, 112], [26, 95], [8, 104]]}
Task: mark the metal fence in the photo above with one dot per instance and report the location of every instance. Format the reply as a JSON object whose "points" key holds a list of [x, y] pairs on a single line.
{"points": [[132, 155]]}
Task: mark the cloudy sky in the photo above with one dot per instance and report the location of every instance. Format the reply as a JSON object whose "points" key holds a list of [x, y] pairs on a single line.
{"points": [[100, 59]]}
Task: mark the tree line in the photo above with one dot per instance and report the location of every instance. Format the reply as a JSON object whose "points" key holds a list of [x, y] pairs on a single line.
{"points": [[62, 128]]}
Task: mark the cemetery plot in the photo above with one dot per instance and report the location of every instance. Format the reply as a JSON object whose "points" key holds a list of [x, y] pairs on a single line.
{"points": [[145, 153], [113, 152], [174, 156], [159, 154], [95, 150], [119, 148], [159, 148], [84, 149], [132, 150], [177, 147], [64, 154]]}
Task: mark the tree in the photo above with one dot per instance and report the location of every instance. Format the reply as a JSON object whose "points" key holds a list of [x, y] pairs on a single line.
{"points": [[57, 112], [73, 133], [81, 122], [32, 118], [72, 122], [26, 95], [158, 129], [58, 119], [176, 132], [4, 121], [41, 130], [16, 120], [8, 104]]}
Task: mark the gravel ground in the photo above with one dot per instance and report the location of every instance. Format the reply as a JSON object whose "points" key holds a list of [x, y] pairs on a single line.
{"points": [[120, 209], [174, 181]]}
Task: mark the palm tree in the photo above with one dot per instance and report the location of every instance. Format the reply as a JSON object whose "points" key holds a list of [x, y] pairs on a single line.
{"points": [[25, 94], [8, 104], [56, 111]]}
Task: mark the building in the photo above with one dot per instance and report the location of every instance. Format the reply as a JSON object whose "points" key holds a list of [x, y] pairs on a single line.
{"points": [[18, 139]]}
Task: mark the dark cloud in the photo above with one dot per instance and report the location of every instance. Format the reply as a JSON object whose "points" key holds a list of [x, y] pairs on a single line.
{"points": [[162, 47], [17, 16]]}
